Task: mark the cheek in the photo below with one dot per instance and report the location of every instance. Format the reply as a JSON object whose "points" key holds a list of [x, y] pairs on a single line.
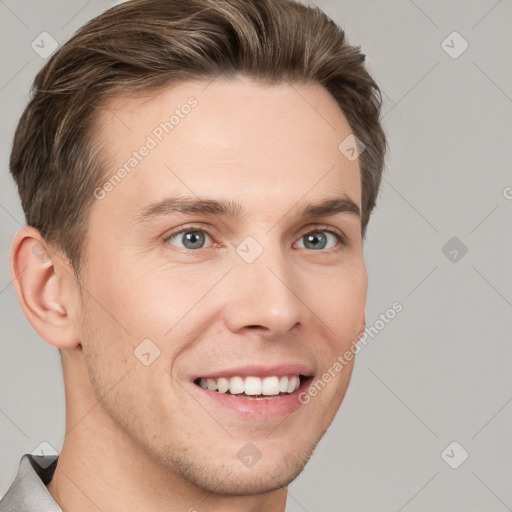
{"points": [[140, 305], [340, 304], [137, 306]]}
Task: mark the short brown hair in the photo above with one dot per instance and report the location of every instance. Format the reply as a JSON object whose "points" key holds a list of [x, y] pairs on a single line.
{"points": [[146, 45]]}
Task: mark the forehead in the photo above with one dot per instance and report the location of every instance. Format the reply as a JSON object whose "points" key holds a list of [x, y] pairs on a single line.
{"points": [[237, 138]]}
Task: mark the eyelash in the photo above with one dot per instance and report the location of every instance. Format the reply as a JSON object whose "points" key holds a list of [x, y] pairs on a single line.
{"points": [[327, 229]]}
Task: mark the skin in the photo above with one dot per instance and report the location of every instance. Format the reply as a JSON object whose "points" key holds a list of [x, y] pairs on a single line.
{"points": [[136, 437]]}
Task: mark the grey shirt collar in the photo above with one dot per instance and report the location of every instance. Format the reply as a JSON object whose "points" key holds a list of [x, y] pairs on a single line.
{"points": [[28, 492]]}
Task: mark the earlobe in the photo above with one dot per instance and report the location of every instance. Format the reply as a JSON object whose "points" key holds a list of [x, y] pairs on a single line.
{"points": [[37, 288]]}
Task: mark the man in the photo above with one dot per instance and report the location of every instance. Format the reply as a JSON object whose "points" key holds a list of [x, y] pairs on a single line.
{"points": [[197, 178]]}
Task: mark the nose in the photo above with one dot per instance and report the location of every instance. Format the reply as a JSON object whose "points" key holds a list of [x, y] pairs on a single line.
{"points": [[264, 296]]}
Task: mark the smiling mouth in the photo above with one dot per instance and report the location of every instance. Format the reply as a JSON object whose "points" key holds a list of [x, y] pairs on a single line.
{"points": [[254, 387]]}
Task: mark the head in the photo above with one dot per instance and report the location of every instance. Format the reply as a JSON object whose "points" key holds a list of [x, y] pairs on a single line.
{"points": [[228, 121]]}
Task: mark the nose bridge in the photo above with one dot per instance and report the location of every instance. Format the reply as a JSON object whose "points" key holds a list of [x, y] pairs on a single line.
{"points": [[265, 291]]}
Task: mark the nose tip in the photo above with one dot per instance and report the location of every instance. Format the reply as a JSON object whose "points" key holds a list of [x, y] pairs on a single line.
{"points": [[264, 300]]}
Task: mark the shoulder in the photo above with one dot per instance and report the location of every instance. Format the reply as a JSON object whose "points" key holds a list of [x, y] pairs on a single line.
{"points": [[28, 491]]}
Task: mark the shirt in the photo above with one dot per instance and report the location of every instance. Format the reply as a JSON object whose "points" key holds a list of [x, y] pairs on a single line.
{"points": [[28, 492]]}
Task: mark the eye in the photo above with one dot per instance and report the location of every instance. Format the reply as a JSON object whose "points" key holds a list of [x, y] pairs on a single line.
{"points": [[317, 240], [190, 238], [193, 238]]}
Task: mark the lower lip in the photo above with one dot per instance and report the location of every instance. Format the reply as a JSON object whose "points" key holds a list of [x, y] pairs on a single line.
{"points": [[266, 408]]}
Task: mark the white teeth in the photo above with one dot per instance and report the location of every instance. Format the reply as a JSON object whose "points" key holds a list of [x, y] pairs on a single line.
{"points": [[222, 385], [252, 386], [293, 384], [270, 386], [236, 385]]}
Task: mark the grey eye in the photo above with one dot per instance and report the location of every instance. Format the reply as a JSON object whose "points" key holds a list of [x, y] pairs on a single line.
{"points": [[317, 240], [190, 239]]}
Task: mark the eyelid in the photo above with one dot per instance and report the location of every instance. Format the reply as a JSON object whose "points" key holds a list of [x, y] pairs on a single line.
{"points": [[309, 229]]}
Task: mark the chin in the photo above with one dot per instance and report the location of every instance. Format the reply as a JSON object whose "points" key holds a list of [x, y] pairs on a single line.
{"points": [[237, 480], [253, 481]]}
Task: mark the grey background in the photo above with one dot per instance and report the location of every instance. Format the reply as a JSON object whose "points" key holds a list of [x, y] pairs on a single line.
{"points": [[440, 371]]}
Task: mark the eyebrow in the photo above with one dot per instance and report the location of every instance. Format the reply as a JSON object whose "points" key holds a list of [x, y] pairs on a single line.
{"points": [[230, 209]]}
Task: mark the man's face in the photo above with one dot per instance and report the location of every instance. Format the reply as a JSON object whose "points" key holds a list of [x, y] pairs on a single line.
{"points": [[264, 289]]}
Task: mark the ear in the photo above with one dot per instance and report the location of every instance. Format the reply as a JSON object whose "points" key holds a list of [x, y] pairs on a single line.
{"points": [[38, 288]]}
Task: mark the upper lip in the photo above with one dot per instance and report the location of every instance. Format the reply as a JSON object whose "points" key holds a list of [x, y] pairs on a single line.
{"points": [[259, 371]]}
